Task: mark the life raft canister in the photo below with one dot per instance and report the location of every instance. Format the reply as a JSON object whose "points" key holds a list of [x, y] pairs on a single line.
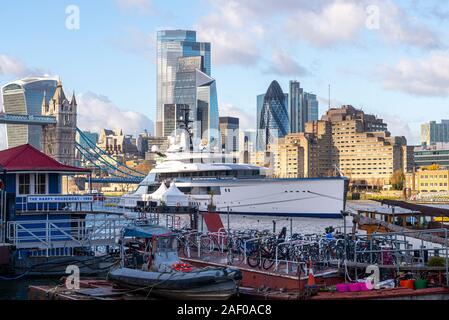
{"points": [[183, 267]]}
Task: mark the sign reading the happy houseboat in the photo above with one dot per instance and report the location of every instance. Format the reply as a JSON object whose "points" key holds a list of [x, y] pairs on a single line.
{"points": [[59, 199]]}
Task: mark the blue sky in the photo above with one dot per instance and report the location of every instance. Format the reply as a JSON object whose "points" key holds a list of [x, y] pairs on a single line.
{"points": [[388, 57]]}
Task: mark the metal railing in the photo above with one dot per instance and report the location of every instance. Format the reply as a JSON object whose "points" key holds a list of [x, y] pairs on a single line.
{"points": [[289, 263], [397, 248], [52, 233]]}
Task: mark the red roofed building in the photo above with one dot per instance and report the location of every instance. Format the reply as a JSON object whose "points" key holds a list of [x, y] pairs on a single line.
{"points": [[27, 158], [26, 171]]}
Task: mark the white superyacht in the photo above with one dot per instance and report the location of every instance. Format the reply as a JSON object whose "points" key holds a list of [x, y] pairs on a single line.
{"points": [[241, 189]]}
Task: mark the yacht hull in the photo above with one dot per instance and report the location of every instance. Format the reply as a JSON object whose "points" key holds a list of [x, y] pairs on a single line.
{"points": [[314, 198]]}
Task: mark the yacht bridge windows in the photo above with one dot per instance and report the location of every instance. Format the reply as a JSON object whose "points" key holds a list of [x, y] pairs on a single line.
{"points": [[241, 174]]}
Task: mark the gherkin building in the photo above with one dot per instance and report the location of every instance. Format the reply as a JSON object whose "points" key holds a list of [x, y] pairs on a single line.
{"points": [[273, 120]]}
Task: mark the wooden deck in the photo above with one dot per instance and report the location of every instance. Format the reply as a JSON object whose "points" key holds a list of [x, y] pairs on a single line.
{"points": [[89, 290]]}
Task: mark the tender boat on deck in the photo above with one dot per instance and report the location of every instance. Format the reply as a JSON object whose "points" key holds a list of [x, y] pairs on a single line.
{"points": [[151, 263]]}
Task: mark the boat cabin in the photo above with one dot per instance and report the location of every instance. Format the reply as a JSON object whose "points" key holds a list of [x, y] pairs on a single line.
{"points": [[149, 247]]}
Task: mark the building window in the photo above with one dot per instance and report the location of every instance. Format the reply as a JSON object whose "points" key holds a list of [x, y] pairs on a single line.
{"points": [[24, 184], [32, 184], [40, 183]]}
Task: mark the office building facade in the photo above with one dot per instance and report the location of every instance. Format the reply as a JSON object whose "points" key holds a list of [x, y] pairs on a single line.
{"points": [[426, 156], [272, 116], [362, 148], [428, 181], [25, 97], [195, 89], [341, 143], [302, 106], [433, 132], [229, 129], [116, 143], [247, 145], [91, 136], [173, 115], [304, 154], [172, 45]]}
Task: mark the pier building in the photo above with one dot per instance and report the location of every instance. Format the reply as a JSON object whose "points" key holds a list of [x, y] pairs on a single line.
{"points": [[37, 219]]}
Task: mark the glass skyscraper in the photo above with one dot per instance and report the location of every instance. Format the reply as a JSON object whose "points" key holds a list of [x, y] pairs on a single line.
{"points": [[172, 45], [303, 107], [25, 97], [198, 91], [272, 116]]}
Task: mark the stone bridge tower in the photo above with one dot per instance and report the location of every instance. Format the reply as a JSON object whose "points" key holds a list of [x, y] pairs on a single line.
{"points": [[58, 140]]}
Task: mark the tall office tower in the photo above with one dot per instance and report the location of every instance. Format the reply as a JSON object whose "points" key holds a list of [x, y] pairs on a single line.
{"points": [[311, 102], [433, 133], [198, 91], [296, 110], [303, 107], [272, 116], [172, 45], [229, 129], [173, 114], [58, 140], [25, 97]]}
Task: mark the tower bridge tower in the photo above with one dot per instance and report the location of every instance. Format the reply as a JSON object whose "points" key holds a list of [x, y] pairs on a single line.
{"points": [[58, 140]]}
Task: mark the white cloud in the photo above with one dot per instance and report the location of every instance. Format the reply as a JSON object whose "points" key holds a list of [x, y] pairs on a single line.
{"points": [[233, 37], [13, 67], [10, 66], [137, 42], [426, 76], [283, 64], [141, 6], [96, 112], [246, 120], [233, 26], [398, 27], [333, 23], [400, 127]]}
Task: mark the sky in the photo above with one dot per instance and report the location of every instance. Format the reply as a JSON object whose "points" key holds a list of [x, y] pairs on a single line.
{"points": [[387, 57]]}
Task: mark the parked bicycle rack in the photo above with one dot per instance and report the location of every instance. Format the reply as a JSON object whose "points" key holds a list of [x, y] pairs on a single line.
{"points": [[278, 261]]}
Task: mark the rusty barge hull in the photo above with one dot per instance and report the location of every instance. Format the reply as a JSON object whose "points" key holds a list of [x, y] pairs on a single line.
{"points": [[253, 278]]}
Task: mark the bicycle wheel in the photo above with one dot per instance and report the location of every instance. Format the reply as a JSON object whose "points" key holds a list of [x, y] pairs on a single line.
{"points": [[267, 263], [253, 260], [206, 244]]}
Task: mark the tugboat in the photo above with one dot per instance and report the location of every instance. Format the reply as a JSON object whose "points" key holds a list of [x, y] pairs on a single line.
{"points": [[150, 264]]}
